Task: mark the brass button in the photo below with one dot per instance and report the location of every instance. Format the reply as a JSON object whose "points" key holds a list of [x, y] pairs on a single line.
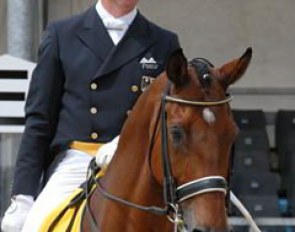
{"points": [[134, 88], [93, 110], [128, 112], [93, 86], [94, 135]]}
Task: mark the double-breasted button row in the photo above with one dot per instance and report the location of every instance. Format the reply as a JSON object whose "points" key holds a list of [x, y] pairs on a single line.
{"points": [[93, 110], [93, 86], [133, 88]]}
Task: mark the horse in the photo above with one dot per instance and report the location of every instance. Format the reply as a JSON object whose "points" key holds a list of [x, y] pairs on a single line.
{"points": [[172, 163]]}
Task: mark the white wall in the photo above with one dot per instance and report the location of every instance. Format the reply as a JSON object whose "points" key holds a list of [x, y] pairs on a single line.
{"points": [[220, 30]]}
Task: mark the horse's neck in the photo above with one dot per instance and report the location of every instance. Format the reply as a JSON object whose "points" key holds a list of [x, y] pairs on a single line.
{"points": [[131, 160], [129, 176], [132, 156]]}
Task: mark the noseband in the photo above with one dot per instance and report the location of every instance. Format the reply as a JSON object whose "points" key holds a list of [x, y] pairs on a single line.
{"points": [[173, 195]]}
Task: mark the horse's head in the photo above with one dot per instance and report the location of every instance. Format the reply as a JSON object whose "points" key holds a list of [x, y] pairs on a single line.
{"points": [[200, 133]]}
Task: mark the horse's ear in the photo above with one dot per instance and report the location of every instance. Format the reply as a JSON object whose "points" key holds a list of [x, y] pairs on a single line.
{"points": [[234, 70], [176, 68]]}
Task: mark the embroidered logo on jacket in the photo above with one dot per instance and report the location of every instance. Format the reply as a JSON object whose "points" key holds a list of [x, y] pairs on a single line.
{"points": [[148, 63]]}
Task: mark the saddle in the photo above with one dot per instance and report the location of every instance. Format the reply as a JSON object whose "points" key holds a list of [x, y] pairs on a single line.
{"points": [[68, 215]]}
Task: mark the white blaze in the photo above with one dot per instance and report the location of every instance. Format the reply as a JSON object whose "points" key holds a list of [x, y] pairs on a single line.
{"points": [[208, 115]]}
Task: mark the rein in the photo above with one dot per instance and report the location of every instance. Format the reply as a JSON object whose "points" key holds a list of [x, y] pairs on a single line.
{"points": [[173, 195]]}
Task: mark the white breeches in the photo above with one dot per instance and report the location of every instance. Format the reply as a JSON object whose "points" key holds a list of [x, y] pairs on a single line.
{"points": [[68, 175]]}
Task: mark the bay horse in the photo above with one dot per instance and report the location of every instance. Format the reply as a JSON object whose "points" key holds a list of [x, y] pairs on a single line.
{"points": [[173, 156]]}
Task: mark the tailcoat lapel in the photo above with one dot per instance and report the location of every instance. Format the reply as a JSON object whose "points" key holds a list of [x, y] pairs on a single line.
{"points": [[94, 35], [136, 41]]}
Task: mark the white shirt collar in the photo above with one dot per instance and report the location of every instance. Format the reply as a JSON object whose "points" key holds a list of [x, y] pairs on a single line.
{"points": [[106, 16]]}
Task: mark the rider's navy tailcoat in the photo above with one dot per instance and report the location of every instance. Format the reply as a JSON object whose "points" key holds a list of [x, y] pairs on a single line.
{"points": [[83, 87]]}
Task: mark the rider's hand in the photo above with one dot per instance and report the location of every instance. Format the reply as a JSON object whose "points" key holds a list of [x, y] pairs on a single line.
{"points": [[16, 214], [106, 152]]}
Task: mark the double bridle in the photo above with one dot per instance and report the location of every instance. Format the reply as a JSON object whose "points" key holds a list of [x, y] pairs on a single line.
{"points": [[173, 195]]}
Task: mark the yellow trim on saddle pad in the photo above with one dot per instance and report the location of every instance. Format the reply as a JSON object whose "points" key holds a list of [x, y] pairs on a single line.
{"points": [[89, 148], [62, 223]]}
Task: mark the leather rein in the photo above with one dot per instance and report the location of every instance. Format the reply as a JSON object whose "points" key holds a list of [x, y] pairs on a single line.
{"points": [[173, 195]]}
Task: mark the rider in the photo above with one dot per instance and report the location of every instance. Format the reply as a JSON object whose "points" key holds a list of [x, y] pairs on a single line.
{"points": [[90, 71]]}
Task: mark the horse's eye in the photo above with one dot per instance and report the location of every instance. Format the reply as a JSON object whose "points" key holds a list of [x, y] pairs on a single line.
{"points": [[177, 134]]}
